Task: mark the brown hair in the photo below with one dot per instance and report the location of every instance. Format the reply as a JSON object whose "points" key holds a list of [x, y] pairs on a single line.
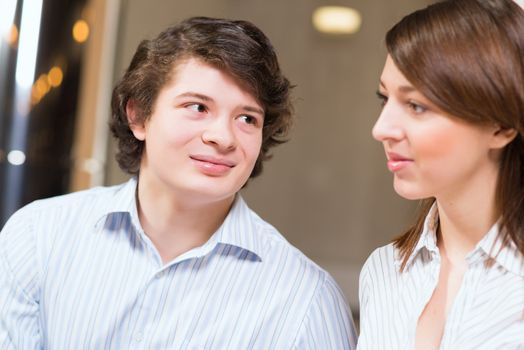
{"points": [[467, 57], [236, 47]]}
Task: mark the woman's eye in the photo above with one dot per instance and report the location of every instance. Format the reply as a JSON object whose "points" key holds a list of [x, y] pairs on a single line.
{"points": [[197, 107], [417, 108], [382, 98]]}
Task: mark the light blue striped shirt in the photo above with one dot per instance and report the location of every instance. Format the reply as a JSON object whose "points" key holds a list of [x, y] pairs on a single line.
{"points": [[78, 272], [487, 313]]}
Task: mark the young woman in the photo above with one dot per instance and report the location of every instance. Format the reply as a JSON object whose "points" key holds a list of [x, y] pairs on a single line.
{"points": [[452, 126]]}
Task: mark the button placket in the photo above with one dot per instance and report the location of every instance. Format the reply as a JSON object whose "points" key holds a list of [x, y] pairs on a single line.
{"points": [[458, 309]]}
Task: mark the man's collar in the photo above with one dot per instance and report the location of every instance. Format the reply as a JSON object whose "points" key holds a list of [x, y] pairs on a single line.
{"points": [[240, 228], [123, 201]]}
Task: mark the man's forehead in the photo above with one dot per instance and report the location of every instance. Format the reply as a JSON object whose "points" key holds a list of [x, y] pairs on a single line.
{"points": [[243, 84]]}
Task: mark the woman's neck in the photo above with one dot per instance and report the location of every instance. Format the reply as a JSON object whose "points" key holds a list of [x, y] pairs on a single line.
{"points": [[465, 217]]}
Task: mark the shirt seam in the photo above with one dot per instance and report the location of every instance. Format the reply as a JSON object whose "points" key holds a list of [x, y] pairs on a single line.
{"points": [[12, 276], [310, 305]]}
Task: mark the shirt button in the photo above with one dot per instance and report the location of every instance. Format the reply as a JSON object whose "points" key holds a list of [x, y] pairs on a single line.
{"points": [[139, 337], [160, 274]]}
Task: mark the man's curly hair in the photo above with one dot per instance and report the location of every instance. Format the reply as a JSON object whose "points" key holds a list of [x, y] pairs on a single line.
{"points": [[237, 47]]}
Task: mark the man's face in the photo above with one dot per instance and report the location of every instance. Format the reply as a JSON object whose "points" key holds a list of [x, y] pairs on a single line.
{"points": [[203, 136]]}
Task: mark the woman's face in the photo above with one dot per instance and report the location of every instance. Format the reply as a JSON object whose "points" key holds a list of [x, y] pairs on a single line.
{"points": [[430, 153]]}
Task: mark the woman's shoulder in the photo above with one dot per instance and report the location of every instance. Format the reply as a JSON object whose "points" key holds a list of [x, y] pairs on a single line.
{"points": [[386, 254], [382, 261]]}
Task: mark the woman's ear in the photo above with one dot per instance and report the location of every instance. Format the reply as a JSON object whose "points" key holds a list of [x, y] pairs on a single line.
{"points": [[136, 126], [502, 137]]}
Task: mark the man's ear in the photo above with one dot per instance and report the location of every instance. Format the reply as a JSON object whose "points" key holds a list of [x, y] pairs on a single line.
{"points": [[502, 137], [136, 126]]}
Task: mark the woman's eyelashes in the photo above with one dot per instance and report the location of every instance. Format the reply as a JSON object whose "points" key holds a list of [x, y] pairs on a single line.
{"points": [[412, 105], [382, 98], [416, 107]]}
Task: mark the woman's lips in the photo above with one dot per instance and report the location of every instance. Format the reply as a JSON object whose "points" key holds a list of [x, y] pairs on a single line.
{"points": [[397, 162], [398, 165]]}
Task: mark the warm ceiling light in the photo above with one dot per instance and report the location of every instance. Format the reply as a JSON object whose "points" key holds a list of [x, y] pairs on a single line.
{"points": [[35, 95], [55, 76], [336, 20], [80, 31], [42, 85], [12, 37]]}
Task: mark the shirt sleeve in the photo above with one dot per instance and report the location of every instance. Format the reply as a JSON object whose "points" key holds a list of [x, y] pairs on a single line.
{"points": [[363, 296], [372, 276], [328, 323], [19, 280]]}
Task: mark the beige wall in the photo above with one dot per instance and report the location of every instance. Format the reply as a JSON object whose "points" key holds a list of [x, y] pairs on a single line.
{"points": [[327, 190]]}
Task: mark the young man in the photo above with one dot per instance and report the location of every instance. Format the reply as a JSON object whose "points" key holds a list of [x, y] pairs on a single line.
{"points": [[174, 258]]}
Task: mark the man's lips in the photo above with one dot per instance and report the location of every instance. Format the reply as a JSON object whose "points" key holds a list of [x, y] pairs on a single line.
{"points": [[213, 160], [212, 166], [397, 162]]}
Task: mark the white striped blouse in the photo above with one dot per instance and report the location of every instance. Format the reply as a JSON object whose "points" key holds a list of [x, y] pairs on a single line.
{"points": [[78, 272], [488, 311]]}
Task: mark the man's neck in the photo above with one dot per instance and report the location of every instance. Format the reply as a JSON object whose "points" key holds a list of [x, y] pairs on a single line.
{"points": [[177, 225]]}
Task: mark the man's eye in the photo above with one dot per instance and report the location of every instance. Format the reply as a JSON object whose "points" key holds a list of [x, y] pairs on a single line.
{"points": [[249, 119], [197, 107]]}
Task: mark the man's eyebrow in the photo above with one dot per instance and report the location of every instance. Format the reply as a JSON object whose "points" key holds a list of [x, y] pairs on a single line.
{"points": [[197, 95], [253, 109]]}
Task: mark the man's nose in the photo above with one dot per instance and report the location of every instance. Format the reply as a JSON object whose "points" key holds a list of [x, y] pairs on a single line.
{"points": [[220, 133]]}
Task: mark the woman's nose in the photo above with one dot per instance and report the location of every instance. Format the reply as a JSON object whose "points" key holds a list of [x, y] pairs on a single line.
{"points": [[388, 125]]}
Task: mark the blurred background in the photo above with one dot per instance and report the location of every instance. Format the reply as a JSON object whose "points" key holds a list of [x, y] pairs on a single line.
{"points": [[327, 190]]}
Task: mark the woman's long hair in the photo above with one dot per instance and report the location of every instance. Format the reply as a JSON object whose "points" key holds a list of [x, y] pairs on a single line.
{"points": [[467, 57]]}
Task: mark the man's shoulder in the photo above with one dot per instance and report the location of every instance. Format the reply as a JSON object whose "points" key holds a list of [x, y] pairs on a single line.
{"points": [[288, 272], [277, 249], [95, 196], [92, 202]]}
